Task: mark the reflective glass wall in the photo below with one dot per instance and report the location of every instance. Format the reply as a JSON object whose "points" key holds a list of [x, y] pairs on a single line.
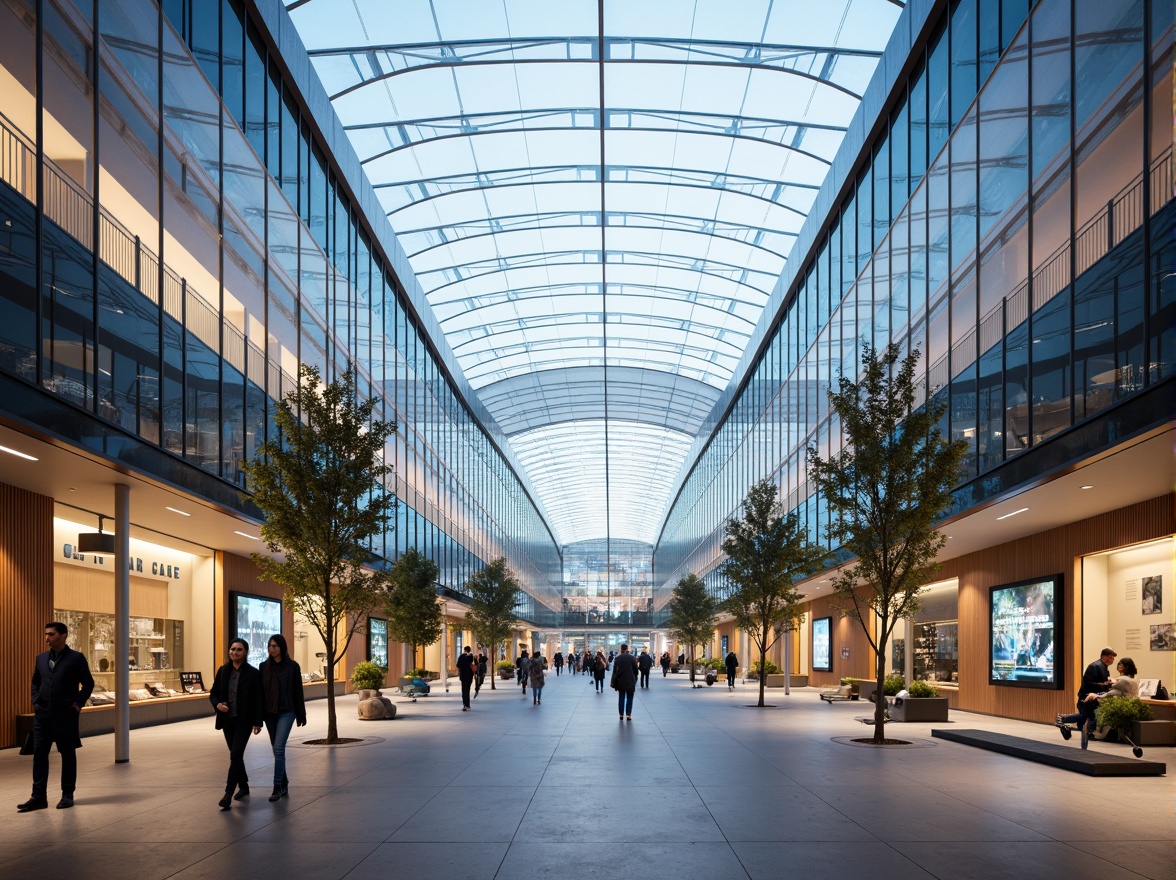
{"points": [[194, 243], [1012, 220]]}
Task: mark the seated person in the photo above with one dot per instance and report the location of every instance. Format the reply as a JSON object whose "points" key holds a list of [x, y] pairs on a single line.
{"points": [[1123, 686]]}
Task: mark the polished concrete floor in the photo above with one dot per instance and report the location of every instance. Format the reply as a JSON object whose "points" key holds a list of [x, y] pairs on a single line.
{"points": [[696, 785]]}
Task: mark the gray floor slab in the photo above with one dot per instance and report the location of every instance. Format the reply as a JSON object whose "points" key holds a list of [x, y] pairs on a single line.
{"points": [[697, 784]]}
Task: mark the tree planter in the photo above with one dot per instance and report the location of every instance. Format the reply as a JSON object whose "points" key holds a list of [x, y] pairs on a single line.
{"points": [[505, 674], [918, 709], [774, 680]]}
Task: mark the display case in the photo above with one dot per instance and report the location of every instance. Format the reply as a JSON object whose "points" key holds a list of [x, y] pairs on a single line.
{"points": [[936, 651], [156, 653]]}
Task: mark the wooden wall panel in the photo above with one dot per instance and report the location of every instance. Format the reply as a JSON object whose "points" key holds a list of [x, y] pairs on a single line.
{"points": [[1051, 552], [26, 597], [83, 589], [843, 633]]}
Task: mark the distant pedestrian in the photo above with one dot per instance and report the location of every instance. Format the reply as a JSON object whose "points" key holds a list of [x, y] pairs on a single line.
{"points": [[732, 663], [481, 677], [237, 697], [599, 667], [624, 680], [524, 669], [285, 706], [573, 659], [586, 662], [519, 667], [557, 660], [665, 663], [644, 663], [467, 668], [536, 676], [61, 685]]}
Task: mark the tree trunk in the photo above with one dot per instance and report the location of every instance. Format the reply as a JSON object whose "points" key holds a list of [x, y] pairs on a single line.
{"points": [[692, 665], [879, 698], [763, 673], [332, 722]]}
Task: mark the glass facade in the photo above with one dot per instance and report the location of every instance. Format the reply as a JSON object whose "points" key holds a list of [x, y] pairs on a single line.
{"points": [[195, 242], [1005, 222]]}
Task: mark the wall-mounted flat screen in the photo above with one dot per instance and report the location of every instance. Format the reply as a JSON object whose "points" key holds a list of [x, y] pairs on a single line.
{"points": [[1025, 634], [254, 619], [822, 636], [378, 641]]}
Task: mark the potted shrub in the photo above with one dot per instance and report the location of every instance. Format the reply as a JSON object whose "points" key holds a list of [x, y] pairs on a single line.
{"points": [[367, 677], [891, 685], [922, 703], [506, 669], [1123, 715], [775, 676]]}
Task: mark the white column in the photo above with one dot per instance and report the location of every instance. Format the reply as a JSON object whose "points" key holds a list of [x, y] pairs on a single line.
{"points": [[908, 656], [445, 654], [787, 662], [122, 624]]}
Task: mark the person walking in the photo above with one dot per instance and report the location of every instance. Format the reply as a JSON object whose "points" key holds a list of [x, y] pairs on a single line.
{"points": [[285, 706], [61, 685], [732, 663], [481, 663], [624, 680], [665, 663], [557, 661], [586, 662], [599, 667], [467, 668], [524, 670], [236, 695], [644, 663], [536, 676]]}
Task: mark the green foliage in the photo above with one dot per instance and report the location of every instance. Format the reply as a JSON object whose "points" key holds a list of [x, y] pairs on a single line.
{"points": [[920, 689], [415, 617], [321, 485], [714, 663], [367, 676], [693, 612], [493, 593], [885, 490], [418, 672], [767, 552], [769, 668], [1118, 713], [504, 666], [892, 685]]}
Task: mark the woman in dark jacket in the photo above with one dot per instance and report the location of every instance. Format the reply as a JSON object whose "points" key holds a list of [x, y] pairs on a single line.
{"points": [[285, 706], [236, 695], [599, 667]]}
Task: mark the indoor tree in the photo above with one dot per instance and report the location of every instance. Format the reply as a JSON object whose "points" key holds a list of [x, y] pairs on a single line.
{"points": [[885, 491], [767, 553], [692, 615], [493, 593], [321, 483], [415, 617]]}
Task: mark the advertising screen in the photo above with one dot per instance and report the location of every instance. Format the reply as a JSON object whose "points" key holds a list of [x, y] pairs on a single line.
{"points": [[255, 619], [822, 634], [1025, 634], [378, 641]]}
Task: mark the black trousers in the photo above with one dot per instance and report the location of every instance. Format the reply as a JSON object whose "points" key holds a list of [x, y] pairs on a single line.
{"points": [[42, 743], [237, 732], [465, 691], [645, 678], [730, 678]]}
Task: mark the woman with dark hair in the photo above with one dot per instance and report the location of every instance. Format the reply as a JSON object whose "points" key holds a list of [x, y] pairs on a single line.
{"points": [[236, 696], [285, 706], [1124, 686]]}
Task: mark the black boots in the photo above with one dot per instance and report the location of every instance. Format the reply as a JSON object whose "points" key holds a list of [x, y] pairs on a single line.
{"points": [[226, 803], [276, 794], [36, 802], [242, 791]]}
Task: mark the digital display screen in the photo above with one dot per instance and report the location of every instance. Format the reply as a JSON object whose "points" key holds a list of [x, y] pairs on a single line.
{"points": [[255, 619], [378, 641], [822, 635], [1025, 634]]}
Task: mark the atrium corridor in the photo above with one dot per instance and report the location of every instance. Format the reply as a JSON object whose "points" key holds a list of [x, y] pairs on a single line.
{"points": [[697, 785]]}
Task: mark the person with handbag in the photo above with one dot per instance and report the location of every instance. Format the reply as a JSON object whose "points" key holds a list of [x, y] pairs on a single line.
{"points": [[236, 695], [599, 667], [285, 706], [624, 682], [537, 677], [61, 685]]}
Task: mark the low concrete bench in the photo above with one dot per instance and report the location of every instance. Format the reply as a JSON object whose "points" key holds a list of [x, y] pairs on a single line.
{"points": [[842, 693]]}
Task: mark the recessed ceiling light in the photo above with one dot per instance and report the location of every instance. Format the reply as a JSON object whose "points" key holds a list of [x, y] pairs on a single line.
{"points": [[180, 512], [23, 455], [1014, 513], [243, 535], [1086, 487]]}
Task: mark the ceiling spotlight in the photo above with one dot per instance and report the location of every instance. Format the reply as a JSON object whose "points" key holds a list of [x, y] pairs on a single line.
{"points": [[1086, 487], [1014, 513], [96, 543]]}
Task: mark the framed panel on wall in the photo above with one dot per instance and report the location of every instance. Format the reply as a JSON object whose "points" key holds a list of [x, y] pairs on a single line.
{"points": [[1025, 634], [822, 640], [254, 619], [378, 641]]}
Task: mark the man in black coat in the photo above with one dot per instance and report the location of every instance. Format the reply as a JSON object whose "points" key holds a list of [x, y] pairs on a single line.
{"points": [[644, 664], [624, 680], [467, 668], [1096, 679], [61, 685]]}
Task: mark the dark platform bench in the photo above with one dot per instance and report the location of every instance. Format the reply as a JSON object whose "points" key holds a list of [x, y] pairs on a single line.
{"points": [[1055, 754]]}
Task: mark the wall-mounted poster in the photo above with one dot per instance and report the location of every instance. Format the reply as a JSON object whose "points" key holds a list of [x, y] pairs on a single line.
{"points": [[822, 656], [254, 619], [1153, 594], [1162, 637], [192, 682], [1025, 633]]}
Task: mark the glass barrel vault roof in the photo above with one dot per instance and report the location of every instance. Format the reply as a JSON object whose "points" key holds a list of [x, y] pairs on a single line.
{"points": [[597, 197]]}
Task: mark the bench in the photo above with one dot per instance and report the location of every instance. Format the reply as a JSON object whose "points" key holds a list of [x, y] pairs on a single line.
{"points": [[845, 692]]}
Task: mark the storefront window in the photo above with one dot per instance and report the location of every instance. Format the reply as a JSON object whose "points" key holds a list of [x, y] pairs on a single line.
{"points": [[378, 641], [935, 642]]}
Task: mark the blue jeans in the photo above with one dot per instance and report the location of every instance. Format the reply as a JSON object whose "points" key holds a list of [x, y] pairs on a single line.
{"points": [[279, 726], [624, 702], [538, 692]]}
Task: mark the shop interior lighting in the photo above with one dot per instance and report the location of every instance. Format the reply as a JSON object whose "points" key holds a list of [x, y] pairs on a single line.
{"points": [[96, 543], [1014, 513]]}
